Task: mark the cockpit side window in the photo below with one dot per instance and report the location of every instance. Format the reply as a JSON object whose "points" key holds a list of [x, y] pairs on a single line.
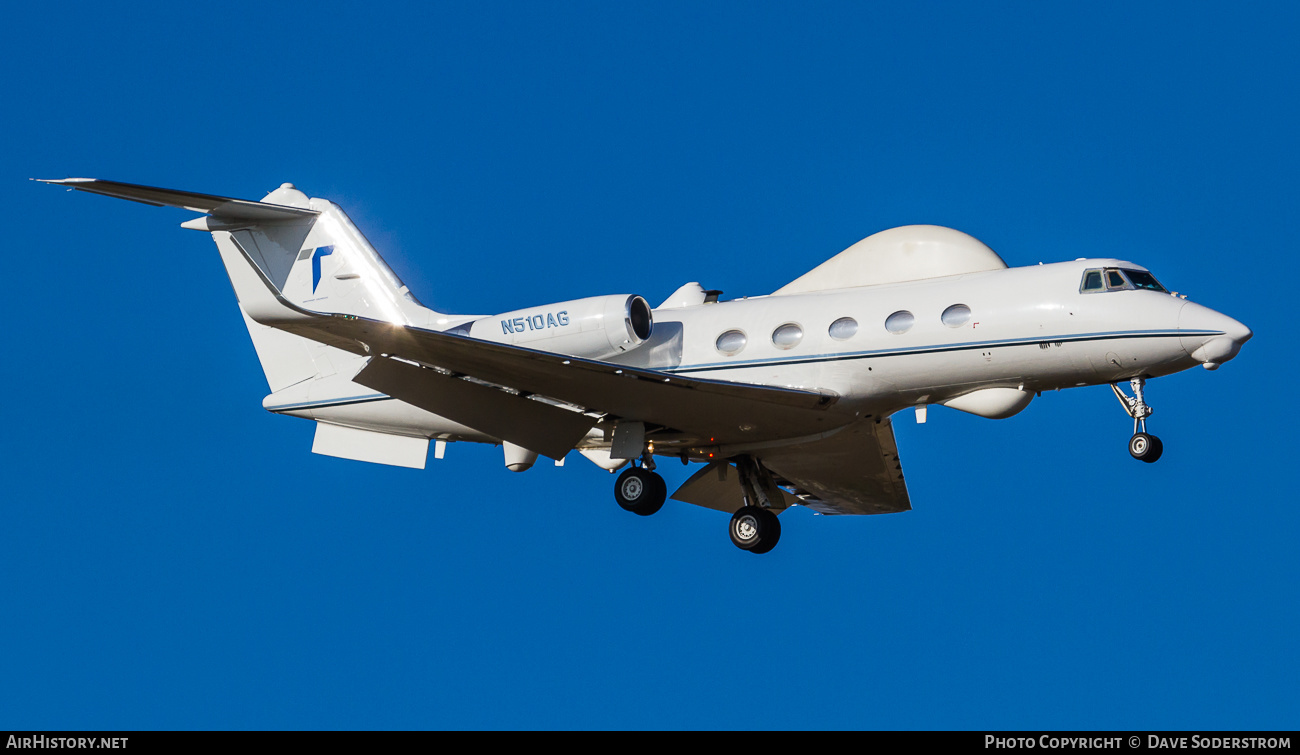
{"points": [[1143, 279], [1116, 279]]}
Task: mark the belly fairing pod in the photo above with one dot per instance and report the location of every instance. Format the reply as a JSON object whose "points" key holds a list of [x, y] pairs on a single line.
{"points": [[992, 403]]}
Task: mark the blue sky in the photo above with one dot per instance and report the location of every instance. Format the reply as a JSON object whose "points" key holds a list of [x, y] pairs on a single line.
{"points": [[175, 557]]}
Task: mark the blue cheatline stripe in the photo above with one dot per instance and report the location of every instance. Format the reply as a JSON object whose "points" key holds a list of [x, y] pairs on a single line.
{"points": [[323, 251], [331, 402], [779, 361], [831, 358]]}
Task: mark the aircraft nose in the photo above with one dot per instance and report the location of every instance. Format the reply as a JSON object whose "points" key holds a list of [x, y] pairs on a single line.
{"points": [[1210, 337]]}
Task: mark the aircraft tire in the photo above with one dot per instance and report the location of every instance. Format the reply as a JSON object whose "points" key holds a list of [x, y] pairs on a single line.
{"points": [[754, 529], [1144, 447], [640, 491], [1157, 448], [771, 537]]}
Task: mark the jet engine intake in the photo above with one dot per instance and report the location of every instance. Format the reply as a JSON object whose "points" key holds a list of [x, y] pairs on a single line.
{"points": [[596, 328]]}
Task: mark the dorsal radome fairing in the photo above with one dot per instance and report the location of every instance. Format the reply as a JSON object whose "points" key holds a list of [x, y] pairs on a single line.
{"points": [[906, 253]]}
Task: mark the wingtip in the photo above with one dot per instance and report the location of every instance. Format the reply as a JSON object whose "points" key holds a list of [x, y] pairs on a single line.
{"points": [[64, 180]]}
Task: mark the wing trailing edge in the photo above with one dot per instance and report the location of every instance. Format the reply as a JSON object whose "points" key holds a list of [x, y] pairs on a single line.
{"points": [[854, 470]]}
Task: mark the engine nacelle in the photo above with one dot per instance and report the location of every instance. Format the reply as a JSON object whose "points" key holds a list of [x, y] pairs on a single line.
{"points": [[596, 328]]}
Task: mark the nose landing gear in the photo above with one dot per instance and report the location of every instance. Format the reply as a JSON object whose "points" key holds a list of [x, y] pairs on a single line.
{"points": [[1142, 446], [1145, 447]]}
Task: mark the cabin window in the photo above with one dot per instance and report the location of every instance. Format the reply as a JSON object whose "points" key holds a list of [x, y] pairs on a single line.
{"points": [[1092, 281], [844, 328], [1143, 279], [900, 322], [731, 342], [787, 336], [956, 316], [1115, 280]]}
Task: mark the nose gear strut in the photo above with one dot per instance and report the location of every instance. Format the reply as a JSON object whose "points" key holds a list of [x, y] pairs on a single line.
{"points": [[1142, 446]]}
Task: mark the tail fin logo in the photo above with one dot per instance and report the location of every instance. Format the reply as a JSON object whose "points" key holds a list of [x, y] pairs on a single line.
{"points": [[323, 251]]}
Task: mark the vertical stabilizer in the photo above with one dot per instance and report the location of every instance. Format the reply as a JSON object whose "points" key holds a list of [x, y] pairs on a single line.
{"points": [[308, 250], [337, 270], [324, 263], [320, 262]]}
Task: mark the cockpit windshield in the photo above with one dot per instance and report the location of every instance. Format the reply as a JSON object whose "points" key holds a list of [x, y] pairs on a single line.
{"points": [[1143, 279], [1116, 279]]}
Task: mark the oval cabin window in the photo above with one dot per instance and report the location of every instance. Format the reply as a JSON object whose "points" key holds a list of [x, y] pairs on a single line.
{"points": [[844, 328], [787, 336], [899, 322], [956, 316], [731, 342]]}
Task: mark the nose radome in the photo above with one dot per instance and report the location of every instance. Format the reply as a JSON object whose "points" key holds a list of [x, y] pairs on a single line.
{"points": [[1210, 337], [1238, 331]]}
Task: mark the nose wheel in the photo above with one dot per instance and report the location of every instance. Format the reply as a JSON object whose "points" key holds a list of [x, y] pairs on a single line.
{"points": [[1142, 446]]}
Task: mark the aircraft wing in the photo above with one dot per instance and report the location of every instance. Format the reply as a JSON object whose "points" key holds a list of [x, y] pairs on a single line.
{"points": [[548, 402], [408, 362], [854, 470], [512, 392], [822, 456]]}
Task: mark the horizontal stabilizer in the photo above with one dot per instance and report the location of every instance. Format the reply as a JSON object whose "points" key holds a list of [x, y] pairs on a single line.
{"points": [[225, 208]]}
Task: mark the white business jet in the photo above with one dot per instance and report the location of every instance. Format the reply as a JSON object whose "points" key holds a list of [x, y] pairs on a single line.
{"points": [[784, 399]]}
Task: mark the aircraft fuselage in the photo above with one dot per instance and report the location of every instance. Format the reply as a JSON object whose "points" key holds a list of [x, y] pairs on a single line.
{"points": [[1029, 329], [792, 390]]}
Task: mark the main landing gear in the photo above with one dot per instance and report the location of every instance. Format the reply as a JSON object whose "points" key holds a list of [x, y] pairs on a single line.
{"points": [[640, 490], [1142, 446], [755, 528]]}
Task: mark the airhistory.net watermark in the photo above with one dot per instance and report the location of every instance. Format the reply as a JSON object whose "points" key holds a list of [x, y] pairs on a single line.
{"points": [[43, 742]]}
